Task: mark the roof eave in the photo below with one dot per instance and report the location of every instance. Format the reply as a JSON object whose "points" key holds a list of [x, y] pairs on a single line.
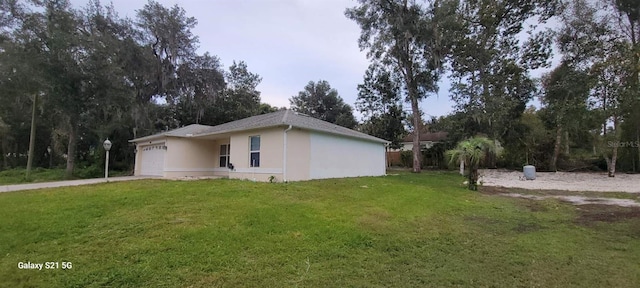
{"points": [[372, 139], [147, 138], [237, 130]]}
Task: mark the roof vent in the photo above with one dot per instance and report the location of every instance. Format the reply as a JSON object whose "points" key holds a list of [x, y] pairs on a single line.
{"points": [[301, 114], [189, 135]]}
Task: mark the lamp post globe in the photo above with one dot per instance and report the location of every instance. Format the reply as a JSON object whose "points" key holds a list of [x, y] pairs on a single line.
{"points": [[106, 144], [107, 147]]}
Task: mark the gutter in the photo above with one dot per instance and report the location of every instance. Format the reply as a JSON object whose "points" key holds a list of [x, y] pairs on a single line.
{"points": [[284, 155]]}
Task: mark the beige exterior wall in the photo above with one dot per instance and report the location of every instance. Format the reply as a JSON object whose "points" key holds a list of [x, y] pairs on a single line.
{"points": [[138, 161], [271, 147], [191, 157], [298, 155]]}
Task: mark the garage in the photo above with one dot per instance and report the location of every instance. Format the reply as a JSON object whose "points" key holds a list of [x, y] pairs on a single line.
{"points": [[152, 163]]}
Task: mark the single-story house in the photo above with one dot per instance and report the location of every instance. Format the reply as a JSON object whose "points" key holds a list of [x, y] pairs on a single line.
{"points": [[427, 140], [287, 145]]}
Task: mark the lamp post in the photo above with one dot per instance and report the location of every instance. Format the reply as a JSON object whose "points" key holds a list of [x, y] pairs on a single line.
{"points": [[50, 158], [107, 147]]}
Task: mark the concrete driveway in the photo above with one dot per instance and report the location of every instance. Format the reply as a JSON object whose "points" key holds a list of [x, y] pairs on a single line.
{"points": [[31, 186]]}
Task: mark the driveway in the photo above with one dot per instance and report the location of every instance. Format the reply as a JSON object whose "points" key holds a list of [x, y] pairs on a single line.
{"points": [[31, 186]]}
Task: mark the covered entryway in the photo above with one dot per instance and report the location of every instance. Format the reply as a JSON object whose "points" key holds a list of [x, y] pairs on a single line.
{"points": [[152, 159]]}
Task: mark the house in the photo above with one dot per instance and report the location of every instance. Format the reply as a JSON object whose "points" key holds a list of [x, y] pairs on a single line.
{"points": [[427, 140], [287, 145]]}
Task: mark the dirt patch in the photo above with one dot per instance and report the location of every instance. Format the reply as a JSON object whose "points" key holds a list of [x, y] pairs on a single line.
{"points": [[535, 206], [588, 214], [579, 200]]}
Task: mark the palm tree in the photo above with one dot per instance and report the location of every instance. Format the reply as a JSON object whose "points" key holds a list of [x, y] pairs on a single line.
{"points": [[472, 152]]}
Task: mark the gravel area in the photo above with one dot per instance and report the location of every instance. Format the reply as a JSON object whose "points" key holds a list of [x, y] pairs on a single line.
{"points": [[570, 181]]}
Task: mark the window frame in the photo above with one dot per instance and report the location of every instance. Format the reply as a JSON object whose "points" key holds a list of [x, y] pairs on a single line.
{"points": [[252, 151], [226, 156]]}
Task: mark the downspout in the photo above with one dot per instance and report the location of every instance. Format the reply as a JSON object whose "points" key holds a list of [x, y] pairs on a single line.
{"points": [[284, 155]]}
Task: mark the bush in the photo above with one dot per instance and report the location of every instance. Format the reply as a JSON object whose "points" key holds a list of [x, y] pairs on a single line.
{"points": [[406, 158], [92, 171]]}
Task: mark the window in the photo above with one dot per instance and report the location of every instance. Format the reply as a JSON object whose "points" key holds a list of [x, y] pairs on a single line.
{"points": [[225, 151], [254, 151]]}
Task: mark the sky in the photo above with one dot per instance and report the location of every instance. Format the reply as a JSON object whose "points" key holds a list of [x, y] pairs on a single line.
{"points": [[287, 42]]}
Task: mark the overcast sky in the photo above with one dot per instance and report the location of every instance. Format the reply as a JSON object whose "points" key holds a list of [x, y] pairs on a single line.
{"points": [[287, 42]]}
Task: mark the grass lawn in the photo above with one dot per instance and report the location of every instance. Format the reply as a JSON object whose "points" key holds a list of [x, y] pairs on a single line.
{"points": [[406, 230]]}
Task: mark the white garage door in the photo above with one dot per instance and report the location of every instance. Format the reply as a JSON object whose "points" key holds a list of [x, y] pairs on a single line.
{"points": [[153, 160]]}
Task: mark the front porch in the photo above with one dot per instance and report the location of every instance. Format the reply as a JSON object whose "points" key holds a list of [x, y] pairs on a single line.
{"points": [[197, 157]]}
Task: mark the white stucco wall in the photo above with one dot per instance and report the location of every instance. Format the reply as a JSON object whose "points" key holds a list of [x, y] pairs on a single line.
{"points": [[336, 157]]}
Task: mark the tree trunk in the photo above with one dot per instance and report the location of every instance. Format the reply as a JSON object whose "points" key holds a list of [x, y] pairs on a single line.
{"points": [[416, 135], [473, 178], [556, 148], [638, 146], [566, 142], [32, 135], [386, 156], [611, 163], [71, 150], [4, 149]]}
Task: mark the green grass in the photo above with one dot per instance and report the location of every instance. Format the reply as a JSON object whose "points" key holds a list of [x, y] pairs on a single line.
{"points": [[407, 230], [18, 175]]}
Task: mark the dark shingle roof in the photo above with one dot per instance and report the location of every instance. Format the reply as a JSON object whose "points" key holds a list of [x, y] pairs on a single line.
{"points": [[428, 136], [278, 118]]}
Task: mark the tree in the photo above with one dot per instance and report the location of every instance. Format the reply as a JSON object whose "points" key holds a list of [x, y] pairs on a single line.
{"points": [[23, 65], [241, 98], [388, 126], [534, 138], [405, 37], [490, 65], [566, 93], [472, 152], [167, 31], [628, 19], [590, 39], [379, 100], [86, 74], [320, 101], [200, 87]]}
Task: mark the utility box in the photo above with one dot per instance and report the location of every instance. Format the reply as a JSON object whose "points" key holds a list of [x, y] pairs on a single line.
{"points": [[529, 172]]}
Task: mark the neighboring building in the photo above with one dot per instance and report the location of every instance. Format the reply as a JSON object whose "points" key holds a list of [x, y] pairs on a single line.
{"points": [[427, 139], [287, 145]]}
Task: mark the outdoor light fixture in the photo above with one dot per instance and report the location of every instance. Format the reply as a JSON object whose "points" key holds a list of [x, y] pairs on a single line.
{"points": [[50, 158], [107, 147]]}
